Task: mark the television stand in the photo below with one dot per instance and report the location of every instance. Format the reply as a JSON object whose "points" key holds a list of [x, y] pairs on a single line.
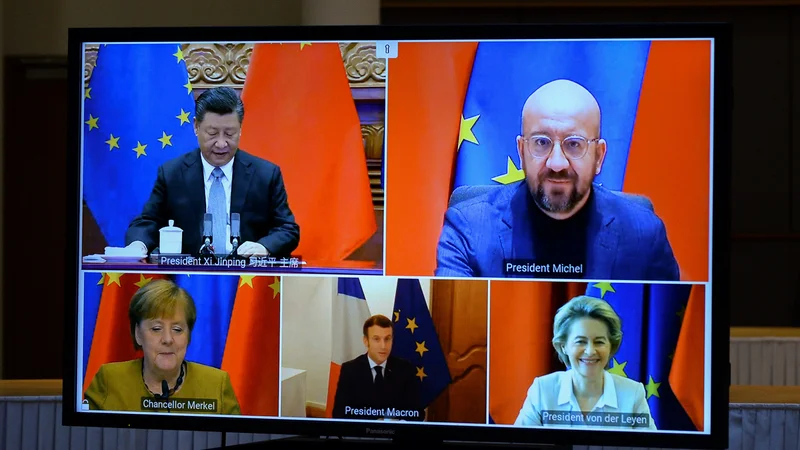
{"points": [[337, 442]]}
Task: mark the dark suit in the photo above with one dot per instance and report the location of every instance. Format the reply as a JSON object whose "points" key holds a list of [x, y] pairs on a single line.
{"points": [[356, 389], [257, 194], [625, 240]]}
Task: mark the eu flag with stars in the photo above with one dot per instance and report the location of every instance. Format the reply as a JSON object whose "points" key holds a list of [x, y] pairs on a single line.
{"points": [[416, 341], [651, 322], [505, 74], [213, 297], [137, 113]]}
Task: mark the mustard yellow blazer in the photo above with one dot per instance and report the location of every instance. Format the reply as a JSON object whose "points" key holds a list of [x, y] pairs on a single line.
{"points": [[119, 387]]}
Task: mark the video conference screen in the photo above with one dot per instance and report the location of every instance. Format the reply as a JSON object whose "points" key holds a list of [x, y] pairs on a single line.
{"points": [[483, 234]]}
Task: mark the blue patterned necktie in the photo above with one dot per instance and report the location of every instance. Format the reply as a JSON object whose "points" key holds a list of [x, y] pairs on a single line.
{"points": [[218, 208]]}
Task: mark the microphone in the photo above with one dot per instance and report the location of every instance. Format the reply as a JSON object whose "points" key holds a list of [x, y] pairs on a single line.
{"points": [[208, 234], [165, 392], [235, 224]]}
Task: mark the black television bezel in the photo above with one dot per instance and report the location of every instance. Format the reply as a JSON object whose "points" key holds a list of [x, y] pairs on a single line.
{"points": [[722, 103]]}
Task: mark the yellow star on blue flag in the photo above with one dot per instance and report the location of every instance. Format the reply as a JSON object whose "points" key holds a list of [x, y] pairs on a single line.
{"points": [[650, 331], [133, 110], [416, 341], [604, 287], [465, 132]]}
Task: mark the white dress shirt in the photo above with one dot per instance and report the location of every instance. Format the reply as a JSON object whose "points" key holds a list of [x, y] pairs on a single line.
{"points": [[372, 365], [227, 179], [554, 393]]}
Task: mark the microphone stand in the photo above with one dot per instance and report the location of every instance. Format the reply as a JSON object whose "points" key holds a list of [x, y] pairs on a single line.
{"points": [[165, 393], [235, 222], [235, 247], [205, 249], [208, 235]]}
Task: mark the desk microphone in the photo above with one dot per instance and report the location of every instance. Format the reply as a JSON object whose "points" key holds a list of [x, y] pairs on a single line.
{"points": [[165, 392], [208, 234], [235, 224]]}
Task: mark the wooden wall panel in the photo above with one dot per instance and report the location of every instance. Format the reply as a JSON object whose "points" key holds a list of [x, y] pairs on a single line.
{"points": [[761, 175], [794, 124], [459, 309], [35, 217]]}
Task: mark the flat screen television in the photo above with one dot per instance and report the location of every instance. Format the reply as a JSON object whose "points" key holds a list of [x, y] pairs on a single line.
{"points": [[510, 233]]}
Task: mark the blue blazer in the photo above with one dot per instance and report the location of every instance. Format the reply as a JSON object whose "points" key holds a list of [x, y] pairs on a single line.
{"points": [[626, 240]]}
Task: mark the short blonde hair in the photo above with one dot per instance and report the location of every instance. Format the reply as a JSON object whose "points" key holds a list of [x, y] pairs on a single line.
{"points": [[585, 307], [160, 298]]}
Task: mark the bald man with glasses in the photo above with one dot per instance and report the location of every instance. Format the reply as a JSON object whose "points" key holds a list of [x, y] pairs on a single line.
{"points": [[556, 223]]}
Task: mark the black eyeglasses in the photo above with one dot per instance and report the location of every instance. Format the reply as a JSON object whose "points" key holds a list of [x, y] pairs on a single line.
{"points": [[574, 147]]}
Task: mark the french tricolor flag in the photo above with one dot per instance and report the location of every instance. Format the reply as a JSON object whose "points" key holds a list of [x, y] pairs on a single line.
{"points": [[350, 311]]}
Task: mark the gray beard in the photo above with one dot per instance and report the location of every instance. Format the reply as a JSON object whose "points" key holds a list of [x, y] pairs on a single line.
{"points": [[547, 204]]}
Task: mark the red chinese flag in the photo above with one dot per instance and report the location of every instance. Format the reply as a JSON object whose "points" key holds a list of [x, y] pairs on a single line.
{"points": [[251, 349], [675, 95], [426, 91], [112, 340], [687, 375], [300, 114], [518, 306]]}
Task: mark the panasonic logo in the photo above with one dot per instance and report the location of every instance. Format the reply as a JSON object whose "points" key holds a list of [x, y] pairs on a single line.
{"points": [[379, 431]]}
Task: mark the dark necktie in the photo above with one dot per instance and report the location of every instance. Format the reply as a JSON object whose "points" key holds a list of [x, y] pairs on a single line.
{"points": [[378, 377]]}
